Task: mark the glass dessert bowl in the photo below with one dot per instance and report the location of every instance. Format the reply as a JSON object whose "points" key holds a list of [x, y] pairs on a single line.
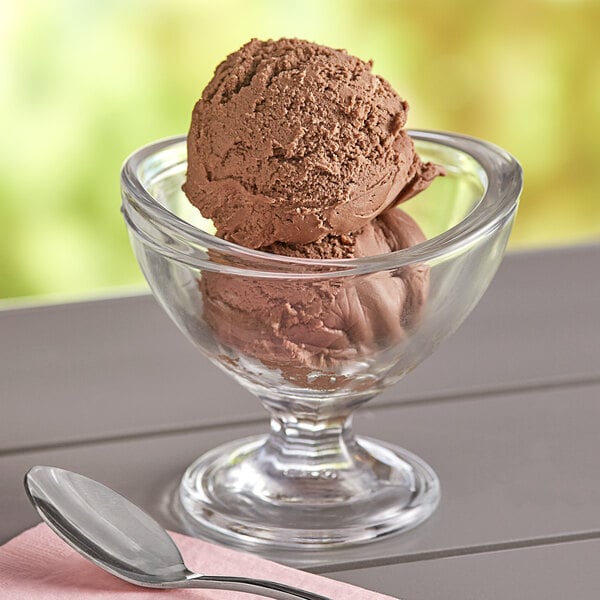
{"points": [[315, 339]]}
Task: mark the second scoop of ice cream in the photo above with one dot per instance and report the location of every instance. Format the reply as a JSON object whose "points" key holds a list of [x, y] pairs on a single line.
{"points": [[302, 326]]}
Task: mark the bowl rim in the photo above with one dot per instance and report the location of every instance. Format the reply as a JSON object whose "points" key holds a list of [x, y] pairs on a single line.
{"points": [[179, 240]]}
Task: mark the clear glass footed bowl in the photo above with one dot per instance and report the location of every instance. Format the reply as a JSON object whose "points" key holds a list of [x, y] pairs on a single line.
{"points": [[315, 339]]}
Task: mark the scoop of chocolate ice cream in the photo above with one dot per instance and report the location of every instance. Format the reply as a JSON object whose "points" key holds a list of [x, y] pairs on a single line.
{"points": [[292, 141], [302, 326]]}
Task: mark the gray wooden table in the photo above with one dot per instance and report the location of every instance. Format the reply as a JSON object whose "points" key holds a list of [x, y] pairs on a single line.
{"points": [[507, 412]]}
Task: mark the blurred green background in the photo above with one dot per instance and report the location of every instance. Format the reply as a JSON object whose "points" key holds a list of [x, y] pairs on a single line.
{"points": [[83, 83]]}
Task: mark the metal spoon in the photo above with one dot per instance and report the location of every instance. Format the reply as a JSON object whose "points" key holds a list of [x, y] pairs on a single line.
{"points": [[122, 539]]}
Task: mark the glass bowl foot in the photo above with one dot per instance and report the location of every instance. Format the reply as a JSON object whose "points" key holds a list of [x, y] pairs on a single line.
{"points": [[246, 495]]}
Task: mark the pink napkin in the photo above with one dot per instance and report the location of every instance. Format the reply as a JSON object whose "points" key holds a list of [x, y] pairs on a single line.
{"points": [[38, 565]]}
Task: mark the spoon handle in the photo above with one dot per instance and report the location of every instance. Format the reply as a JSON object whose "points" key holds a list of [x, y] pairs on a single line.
{"points": [[260, 587]]}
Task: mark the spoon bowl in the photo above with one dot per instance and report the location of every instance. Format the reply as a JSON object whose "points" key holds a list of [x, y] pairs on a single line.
{"points": [[119, 537]]}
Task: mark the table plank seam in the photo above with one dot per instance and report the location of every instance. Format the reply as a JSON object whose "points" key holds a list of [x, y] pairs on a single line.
{"points": [[485, 393], [431, 400], [458, 551]]}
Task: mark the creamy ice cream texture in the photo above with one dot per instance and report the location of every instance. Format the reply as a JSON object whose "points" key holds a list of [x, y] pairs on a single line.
{"points": [[320, 324], [292, 141], [299, 150]]}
